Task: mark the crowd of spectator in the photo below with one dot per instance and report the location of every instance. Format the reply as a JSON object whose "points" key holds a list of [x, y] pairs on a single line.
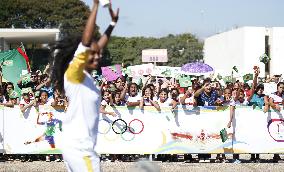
{"points": [[37, 90]]}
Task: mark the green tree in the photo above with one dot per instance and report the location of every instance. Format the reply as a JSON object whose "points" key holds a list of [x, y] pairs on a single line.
{"points": [[182, 49]]}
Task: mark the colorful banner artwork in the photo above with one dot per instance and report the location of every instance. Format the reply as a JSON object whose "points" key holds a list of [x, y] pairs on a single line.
{"points": [[186, 129]]}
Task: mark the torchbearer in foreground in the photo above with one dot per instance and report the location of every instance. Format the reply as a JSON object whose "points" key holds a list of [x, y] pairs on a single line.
{"points": [[71, 70]]}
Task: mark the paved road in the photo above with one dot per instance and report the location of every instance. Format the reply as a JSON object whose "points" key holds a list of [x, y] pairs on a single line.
{"points": [[155, 166]]}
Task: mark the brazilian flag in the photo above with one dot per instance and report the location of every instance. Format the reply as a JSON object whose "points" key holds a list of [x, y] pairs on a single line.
{"points": [[13, 62], [247, 77]]}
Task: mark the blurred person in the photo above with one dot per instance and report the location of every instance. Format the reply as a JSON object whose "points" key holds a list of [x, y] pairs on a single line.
{"points": [[276, 100], [116, 99], [241, 99], [257, 98], [74, 61], [13, 99], [229, 100], [119, 83], [174, 94], [111, 87], [45, 85], [148, 81], [2, 97], [206, 96], [164, 100], [229, 85], [26, 103], [43, 99], [132, 98], [148, 98], [29, 80], [8, 89], [106, 100], [188, 97], [59, 100], [247, 90]]}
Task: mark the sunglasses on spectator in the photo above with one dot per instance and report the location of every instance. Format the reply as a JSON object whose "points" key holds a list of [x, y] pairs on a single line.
{"points": [[33, 76]]}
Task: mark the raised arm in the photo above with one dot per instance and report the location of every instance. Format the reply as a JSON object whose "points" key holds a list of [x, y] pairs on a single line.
{"points": [[23, 108], [254, 84], [90, 26], [123, 92], [75, 70], [114, 18], [198, 92]]}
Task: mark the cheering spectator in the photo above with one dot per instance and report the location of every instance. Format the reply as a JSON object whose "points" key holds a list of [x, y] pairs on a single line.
{"points": [[119, 83], [59, 100], [188, 97], [46, 85], [26, 103], [29, 80], [116, 99], [132, 98], [258, 98], [12, 100], [206, 96], [175, 94], [147, 98], [164, 100], [276, 99], [107, 100]]}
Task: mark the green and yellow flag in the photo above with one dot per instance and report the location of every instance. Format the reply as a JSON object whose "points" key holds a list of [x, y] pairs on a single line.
{"points": [[247, 77], [13, 63]]}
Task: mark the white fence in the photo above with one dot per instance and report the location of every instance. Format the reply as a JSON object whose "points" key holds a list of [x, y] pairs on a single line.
{"points": [[134, 131]]}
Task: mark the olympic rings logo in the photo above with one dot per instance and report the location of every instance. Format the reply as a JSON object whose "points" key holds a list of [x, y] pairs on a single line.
{"points": [[120, 128]]}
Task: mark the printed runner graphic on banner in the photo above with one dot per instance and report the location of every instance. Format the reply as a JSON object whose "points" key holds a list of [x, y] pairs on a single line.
{"points": [[134, 131]]}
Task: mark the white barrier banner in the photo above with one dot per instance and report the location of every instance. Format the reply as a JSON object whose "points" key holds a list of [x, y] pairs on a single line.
{"points": [[258, 132], [134, 131], [1, 131], [185, 130], [24, 134]]}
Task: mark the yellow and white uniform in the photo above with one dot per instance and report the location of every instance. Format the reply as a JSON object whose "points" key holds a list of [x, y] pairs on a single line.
{"points": [[80, 127]]}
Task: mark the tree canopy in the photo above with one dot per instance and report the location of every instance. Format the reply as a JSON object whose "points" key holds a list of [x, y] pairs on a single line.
{"points": [[181, 48], [71, 15]]}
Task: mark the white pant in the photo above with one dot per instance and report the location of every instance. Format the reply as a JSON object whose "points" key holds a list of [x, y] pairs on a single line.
{"points": [[81, 159]]}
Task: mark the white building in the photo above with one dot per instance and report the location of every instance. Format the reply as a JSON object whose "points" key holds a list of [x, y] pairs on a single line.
{"points": [[12, 36], [242, 48]]}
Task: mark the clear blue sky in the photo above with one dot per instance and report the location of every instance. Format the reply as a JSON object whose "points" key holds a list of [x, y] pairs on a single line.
{"points": [[156, 18]]}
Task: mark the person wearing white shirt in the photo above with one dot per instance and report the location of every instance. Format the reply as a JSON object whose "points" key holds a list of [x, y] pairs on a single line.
{"points": [[73, 64]]}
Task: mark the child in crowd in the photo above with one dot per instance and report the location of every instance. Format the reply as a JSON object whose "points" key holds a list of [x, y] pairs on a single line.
{"points": [[147, 98], [165, 101], [106, 100], [188, 97], [116, 99]]}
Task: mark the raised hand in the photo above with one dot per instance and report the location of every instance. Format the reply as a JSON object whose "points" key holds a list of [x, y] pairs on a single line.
{"points": [[96, 1], [114, 16]]}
